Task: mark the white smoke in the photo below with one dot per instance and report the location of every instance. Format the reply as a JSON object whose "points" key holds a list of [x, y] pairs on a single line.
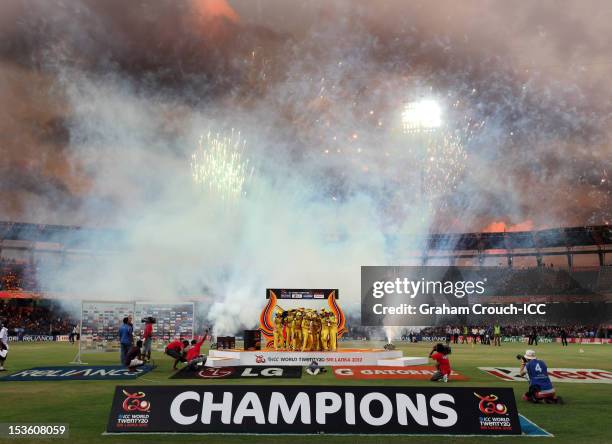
{"points": [[286, 231]]}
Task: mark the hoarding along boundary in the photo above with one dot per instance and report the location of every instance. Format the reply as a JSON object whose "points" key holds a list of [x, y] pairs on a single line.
{"points": [[314, 410]]}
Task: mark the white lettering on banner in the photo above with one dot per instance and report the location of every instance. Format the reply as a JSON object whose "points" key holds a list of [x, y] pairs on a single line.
{"points": [[250, 406], [407, 409], [323, 408], [418, 411], [247, 372], [301, 404], [225, 407], [436, 405], [349, 408], [355, 410], [175, 408], [366, 414]]}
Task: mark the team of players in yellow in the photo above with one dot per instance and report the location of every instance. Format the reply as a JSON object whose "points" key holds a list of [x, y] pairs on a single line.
{"points": [[305, 330]]}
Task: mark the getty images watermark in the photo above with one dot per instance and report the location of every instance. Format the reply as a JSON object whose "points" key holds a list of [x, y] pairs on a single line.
{"points": [[430, 295]]}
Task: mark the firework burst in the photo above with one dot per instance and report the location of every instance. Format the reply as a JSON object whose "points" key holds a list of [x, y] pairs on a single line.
{"points": [[438, 148], [219, 167]]}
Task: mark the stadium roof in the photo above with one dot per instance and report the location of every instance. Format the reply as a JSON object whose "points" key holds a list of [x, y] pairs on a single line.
{"points": [[79, 237]]}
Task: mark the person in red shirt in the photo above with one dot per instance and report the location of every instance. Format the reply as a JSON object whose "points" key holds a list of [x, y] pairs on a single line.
{"points": [[176, 350], [194, 356], [147, 336], [194, 350], [440, 353]]}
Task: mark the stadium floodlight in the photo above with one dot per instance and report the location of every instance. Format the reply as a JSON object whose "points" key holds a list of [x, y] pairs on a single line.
{"points": [[421, 116]]}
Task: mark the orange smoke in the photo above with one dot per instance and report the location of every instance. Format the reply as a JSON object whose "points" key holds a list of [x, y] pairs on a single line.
{"points": [[215, 8], [499, 226]]}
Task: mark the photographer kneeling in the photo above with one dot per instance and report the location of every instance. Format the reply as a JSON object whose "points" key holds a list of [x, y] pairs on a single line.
{"points": [[133, 358], [440, 353], [540, 386]]}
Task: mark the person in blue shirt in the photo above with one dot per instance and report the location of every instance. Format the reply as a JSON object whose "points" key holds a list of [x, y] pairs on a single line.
{"points": [[540, 386], [126, 337]]}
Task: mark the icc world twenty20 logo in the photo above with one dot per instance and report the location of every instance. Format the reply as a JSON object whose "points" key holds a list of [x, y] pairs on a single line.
{"points": [[134, 402], [489, 405]]}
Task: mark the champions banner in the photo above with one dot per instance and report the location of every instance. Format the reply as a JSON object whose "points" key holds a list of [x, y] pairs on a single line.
{"points": [[314, 409]]}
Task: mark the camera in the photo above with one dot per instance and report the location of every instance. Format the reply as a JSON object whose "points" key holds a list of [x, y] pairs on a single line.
{"points": [[149, 320], [441, 348]]}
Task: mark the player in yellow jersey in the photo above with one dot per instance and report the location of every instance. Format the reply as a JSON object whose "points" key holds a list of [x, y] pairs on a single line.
{"points": [[306, 337], [297, 329], [316, 335], [325, 325], [279, 340], [333, 332], [290, 322]]}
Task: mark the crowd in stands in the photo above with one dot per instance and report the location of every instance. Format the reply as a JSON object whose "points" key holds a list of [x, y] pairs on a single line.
{"points": [[548, 331], [32, 318], [357, 332], [48, 317], [22, 275], [17, 275], [549, 280]]}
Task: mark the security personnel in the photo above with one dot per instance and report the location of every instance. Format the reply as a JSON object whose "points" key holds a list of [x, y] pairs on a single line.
{"points": [[464, 339], [497, 334]]}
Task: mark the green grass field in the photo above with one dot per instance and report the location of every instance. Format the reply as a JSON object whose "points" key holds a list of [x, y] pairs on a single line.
{"points": [[85, 405]]}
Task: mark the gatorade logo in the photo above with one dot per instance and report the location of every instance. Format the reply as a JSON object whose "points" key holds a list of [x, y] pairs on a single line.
{"points": [[415, 372]]}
